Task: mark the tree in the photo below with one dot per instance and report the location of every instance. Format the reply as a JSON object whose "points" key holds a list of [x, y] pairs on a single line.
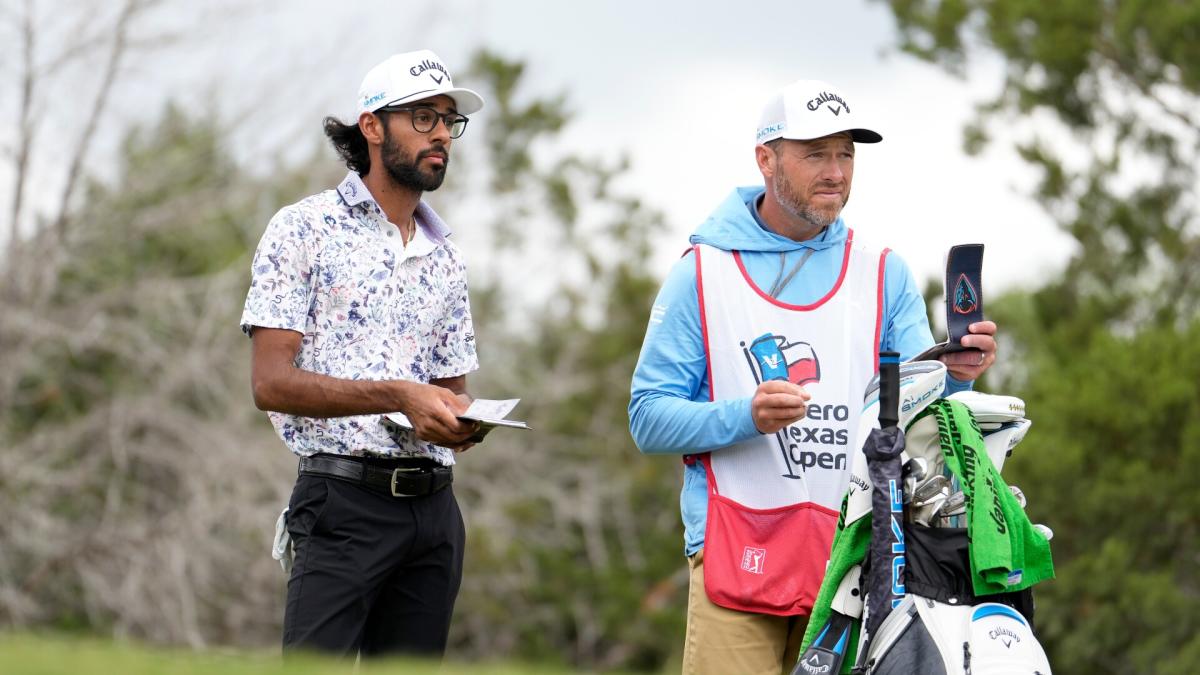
{"points": [[123, 406], [1114, 88], [136, 501], [146, 482], [1103, 352], [574, 552]]}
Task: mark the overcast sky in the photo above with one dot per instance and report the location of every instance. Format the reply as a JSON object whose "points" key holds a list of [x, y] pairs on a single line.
{"points": [[678, 84]]}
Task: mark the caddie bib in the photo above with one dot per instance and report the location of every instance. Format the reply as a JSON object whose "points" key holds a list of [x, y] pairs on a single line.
{"points": [[773, 500]]}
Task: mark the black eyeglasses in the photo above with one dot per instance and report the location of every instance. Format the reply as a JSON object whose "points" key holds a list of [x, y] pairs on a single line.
{"points": [[425, 118]]}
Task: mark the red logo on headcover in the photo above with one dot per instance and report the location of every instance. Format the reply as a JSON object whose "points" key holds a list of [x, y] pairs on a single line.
{"points": [[966, 300]]}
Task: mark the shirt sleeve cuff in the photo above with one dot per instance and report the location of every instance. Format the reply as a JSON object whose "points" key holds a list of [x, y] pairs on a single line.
{"points": [[746, 429], [955, 385]]}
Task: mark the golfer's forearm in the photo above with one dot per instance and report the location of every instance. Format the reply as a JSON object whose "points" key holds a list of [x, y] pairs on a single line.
{"points": [[457, 384], [667, 424], [308, 394]]}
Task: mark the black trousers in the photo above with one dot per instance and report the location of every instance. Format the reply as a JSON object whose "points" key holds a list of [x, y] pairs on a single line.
{"points": [[373, 574]]}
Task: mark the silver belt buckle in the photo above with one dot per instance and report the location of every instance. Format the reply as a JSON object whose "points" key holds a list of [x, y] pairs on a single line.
{"points": [[395, 473]]}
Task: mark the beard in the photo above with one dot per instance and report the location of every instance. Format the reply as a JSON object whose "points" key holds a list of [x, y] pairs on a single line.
{"points": [[794, 203], [408, 173]]}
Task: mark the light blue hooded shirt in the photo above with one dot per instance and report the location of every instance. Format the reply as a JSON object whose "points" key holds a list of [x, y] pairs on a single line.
{"points": [[669, 411]]}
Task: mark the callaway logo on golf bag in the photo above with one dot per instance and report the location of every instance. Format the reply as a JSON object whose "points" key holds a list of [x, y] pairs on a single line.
{"points": [[774, 357]]}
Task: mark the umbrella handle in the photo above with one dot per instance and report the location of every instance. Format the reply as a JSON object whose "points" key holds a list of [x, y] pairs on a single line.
{"points": [[889, 389]]}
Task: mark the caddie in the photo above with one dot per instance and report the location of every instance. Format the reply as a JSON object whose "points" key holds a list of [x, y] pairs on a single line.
{"points": [[760, 344]]}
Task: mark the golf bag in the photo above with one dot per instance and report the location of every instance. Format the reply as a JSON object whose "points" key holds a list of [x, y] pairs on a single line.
{"points": [[903, 591]]}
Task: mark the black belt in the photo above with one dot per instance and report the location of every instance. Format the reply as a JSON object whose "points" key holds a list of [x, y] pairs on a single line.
{"points": [[396, 477]]}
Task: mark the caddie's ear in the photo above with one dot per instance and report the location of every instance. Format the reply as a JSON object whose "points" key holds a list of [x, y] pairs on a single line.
{"points": [[766, 159], [371, 126]]}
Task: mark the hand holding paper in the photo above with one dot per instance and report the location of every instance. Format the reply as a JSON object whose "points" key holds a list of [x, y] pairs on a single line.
{"points": [[487, 413]]}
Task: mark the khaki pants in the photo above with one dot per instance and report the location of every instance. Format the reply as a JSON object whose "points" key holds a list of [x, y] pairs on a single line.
{"points": [[723, 641]]}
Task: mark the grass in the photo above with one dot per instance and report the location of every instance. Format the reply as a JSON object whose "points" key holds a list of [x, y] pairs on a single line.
{"points": [[25, 654]]}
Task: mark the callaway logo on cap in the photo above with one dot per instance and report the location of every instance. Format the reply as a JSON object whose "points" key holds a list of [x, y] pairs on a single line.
{"points": [[809, 109], [412, 76]]}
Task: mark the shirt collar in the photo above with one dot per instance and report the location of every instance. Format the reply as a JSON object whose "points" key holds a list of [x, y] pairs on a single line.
{"points": [[354, 192], [422, 242]]}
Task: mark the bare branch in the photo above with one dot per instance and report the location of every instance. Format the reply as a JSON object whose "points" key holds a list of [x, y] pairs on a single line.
{"points": [[77, 50], [120, 36], [24, 138]]}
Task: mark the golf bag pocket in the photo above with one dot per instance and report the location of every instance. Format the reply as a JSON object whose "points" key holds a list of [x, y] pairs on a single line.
{"points": [[1001, 641], [933, 638], [767, 561], [938, 565], [904, 645]]}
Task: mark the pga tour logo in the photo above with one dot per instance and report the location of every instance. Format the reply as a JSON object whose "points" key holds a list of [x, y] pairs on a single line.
{"points": [[752, 559]]}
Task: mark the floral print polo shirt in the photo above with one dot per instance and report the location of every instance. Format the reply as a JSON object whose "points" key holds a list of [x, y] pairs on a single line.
{"points": [[334, 269]]}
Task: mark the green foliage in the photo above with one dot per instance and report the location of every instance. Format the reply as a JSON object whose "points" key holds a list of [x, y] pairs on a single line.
{"points": [[172, 210], [1105, 353], [172, 213], [127, 416], [1110, 465], [150, 482], [1118, 171], [584, 565]]}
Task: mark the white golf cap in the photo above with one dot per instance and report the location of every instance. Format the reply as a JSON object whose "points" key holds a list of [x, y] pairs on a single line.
{"points": [[809, 109], [412, 76]]}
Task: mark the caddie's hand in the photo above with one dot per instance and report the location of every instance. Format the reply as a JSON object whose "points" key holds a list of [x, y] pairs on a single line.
{"points": [[776, 404], [433, 410], [970, 365]]}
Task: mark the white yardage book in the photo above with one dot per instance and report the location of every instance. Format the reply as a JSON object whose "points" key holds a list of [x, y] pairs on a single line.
{"points": [[489, 413]]}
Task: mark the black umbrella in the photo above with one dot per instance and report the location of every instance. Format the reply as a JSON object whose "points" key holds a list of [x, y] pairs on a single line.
{"points": [[885, 576]]}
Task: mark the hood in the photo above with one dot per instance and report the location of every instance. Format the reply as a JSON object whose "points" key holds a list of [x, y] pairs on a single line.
{"points": [[734, 227]]}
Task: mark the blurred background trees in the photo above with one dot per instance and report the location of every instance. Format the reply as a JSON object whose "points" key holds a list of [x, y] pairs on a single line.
{"points": [[139, 485], [574, 538], [1104, 352]]}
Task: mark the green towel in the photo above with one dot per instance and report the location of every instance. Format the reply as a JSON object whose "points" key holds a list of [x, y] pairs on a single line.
{"points": [[1007, 554], [849, 549]]}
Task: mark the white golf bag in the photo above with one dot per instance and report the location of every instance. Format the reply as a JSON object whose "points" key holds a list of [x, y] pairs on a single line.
{"points": [[932, 622]]}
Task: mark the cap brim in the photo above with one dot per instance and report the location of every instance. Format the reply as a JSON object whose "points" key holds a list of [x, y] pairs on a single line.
{"points": [[856, 135], [864, 136], [465, 100]]}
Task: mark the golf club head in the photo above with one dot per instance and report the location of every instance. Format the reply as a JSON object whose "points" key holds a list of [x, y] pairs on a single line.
{"points": [[914, 471], [924, 512], [1016, 491], [991, 409], [1000, 442], [917, 468], [954, 505], [927, 488], [952, 512], [921, 383]]}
